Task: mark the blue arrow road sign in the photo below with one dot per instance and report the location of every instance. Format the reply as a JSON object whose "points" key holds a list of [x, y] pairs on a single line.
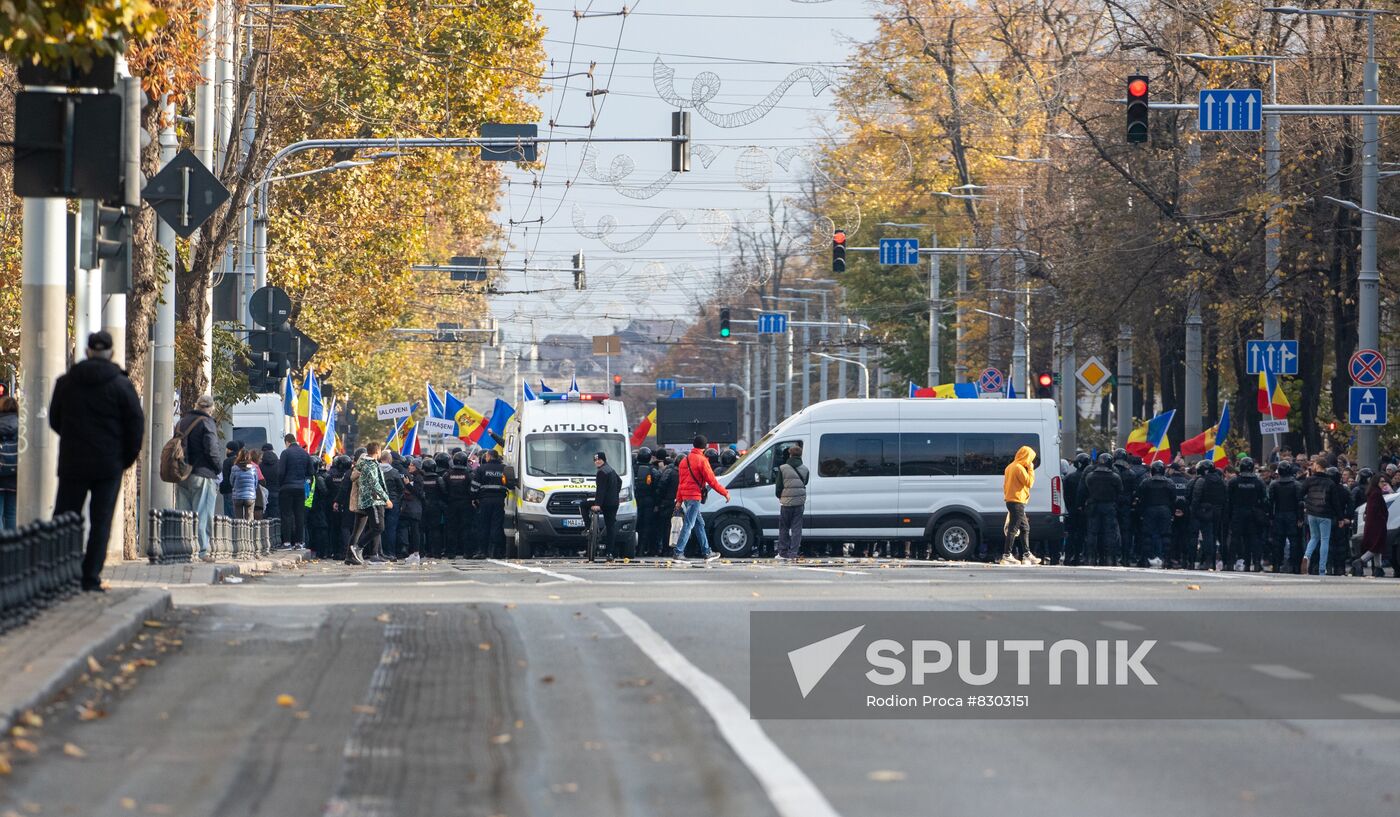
{"points": [[665, 384], [1271, 356], [899, 251], [1368, 406], [772, 323], [1230, 109]]}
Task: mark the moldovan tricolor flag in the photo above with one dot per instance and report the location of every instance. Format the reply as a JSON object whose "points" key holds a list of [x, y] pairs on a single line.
{"points": [[1273, 403], [1147, 438], [649, 422]]}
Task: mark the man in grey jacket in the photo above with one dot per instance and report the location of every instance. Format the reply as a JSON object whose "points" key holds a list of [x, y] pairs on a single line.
{"points": [[791, 488]]}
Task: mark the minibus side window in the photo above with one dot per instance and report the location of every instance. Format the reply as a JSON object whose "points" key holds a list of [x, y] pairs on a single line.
{"points": [[928, 455], [859, 455], [985, 455], [761, 468]]}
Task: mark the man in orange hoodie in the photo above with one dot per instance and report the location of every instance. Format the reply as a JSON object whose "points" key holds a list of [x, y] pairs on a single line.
{"points": [[696, 477], [1016, 490]]}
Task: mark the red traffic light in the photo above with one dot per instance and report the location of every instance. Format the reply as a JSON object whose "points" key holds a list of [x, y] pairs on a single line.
{"points": [[839, 237], [1137, 87], [617, 380], [1045, 379]]}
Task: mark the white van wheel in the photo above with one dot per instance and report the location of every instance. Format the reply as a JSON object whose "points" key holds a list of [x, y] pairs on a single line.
{"points": [[734, 536], [955, 539], [523, 547]]}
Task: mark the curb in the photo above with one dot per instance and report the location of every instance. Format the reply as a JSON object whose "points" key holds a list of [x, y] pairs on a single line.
{"points": [[289, 559], [67, 659]]}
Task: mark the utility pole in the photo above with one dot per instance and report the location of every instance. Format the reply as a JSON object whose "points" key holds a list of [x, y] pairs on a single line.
{"points": [[806, 355], [1125, 382], [43, 342], [1020, 338], [825, 318], [162, 389], [1194, 368], [935, 310], [959, 367], [1068, 393], [1273, 313], [773, 379], [748, 398], [1368, 276], [205, 124]]}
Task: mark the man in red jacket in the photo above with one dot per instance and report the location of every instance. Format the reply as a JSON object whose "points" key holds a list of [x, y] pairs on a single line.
{"points": [[695, 472]]}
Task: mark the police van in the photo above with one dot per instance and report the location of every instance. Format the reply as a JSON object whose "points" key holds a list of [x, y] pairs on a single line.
{"points": [[549, 444], [890, 470]]}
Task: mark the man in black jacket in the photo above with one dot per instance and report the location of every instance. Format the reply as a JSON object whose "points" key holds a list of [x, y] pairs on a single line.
{"points": [[1246, 498], [1074, 521], [1208, 498], [667, 481], [434, 504], [97, 415], [271, 468], [1127, 531], [489, 487], [198, 491], [411, 518], [607, 490], [291, 493], [643, 491], [1322, 509], [1285, 502], [1099, 499], [1155, 500]]}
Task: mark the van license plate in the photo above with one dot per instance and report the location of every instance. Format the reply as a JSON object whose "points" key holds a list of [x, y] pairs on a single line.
{"points": [[573, 523]]}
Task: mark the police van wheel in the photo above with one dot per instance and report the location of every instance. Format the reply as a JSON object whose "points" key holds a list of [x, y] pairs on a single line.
{"points": [[955, 539], [628, 546], [734, 536], [523, 548]]}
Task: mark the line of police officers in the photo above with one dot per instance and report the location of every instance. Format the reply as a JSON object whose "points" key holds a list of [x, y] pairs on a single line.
{"points": [[654, 482], [448, 509], [1121, 512]]}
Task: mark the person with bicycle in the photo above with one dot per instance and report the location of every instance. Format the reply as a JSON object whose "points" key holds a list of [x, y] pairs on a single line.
{"points": [[607, 489]]}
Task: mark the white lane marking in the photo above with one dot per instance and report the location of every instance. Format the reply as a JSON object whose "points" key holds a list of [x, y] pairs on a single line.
{"points": [[330, 584], [1123, 626], [1057, 608], [1375, 703], [1195, 646], [832, 570], [1281, 672], [533, 569], [793, 794]]}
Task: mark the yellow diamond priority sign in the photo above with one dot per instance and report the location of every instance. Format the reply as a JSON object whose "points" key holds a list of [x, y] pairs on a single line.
{"points": [[1093, 374]]}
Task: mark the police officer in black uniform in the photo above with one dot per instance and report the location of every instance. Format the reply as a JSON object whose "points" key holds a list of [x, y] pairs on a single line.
{"points": [[457, 491], [1099, 500], [667, 481], [1074, 513], [489, 487], [1246, 498], [1154, 503], [1122, 463], [434, 505], [1285, 503], [643, 491], [1208, 498], [337, 477]]}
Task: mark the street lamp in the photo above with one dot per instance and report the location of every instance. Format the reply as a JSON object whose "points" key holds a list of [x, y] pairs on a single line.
{"points": [[1351, 205], [345, 165], [1368, 275], [864, 372]]}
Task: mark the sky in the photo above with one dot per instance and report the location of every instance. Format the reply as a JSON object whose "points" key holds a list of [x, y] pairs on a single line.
{"points": [[606, 207]]}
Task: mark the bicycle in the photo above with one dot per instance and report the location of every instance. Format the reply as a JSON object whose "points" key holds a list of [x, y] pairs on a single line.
{"points": [[594, 534]]}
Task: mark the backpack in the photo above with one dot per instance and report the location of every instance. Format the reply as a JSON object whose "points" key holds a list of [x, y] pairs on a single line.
{"points": [[173, 467]]}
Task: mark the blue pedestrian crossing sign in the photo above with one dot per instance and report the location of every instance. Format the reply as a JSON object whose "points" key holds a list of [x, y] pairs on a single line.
{"points": [[1271, 357], [665, 384], [1230, 109], [1368, 406], [899, 251], [772, 323]]}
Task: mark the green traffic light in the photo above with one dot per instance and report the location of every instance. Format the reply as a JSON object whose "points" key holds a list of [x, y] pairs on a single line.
{"points": [[724, 333]]}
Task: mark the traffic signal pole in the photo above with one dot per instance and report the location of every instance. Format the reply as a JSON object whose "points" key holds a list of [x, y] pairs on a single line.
{"points": [[43, 342], [935, 310]]}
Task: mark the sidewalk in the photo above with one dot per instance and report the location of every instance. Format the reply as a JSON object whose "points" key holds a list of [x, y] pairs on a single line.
{"points": [[42, 657]]}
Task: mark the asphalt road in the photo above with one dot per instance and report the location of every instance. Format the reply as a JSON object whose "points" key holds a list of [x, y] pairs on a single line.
{"points": [[560, 688]]}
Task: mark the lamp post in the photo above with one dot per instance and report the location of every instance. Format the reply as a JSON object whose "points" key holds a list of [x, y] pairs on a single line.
{"points": [[864, 371], [1368, 276]]}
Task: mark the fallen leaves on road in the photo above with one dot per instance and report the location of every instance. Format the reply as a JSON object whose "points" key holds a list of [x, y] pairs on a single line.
{"points": [[89, 712], [153, 624], [510, 605], [501, 739], [484, 646], [885, 776], [73, 750], [25, 745], [286, 700], [635, 682], [92, 665], [546, 679], [363, 709], [383, 618], [31, 719], [5, 767], [1193, 587]]}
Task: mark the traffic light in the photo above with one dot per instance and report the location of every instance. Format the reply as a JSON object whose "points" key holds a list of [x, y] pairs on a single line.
{"points": [[680, 145], [617, 385], [1045, 384], [724, 321], [1137, 108], [838, 251]]}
